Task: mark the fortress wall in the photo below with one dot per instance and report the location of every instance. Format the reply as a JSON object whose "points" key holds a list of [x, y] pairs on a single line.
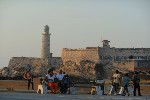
{"points": [[97, 54], [133, 65], [27, 60], [132, 51], [106, 53], [56, 61], [78, 55], [124, 53], [142, 63], [125, 65], [21, 64]]}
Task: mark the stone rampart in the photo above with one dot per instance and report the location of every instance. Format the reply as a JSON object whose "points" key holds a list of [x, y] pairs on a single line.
{"points": [[18, 65], [78, 55], [123, 53], [98, 54], [133, 65], [56, 61], [105, 60]]}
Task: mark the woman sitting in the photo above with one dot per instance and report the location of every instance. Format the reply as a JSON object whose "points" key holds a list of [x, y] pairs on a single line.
{"points": [[50, 77]]}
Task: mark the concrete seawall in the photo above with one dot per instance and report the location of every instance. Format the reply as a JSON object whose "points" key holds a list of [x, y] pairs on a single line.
{"points": [[81, 88]]}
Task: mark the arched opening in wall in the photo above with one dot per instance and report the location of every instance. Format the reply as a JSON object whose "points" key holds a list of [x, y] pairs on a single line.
{"points": [[131, 57]]}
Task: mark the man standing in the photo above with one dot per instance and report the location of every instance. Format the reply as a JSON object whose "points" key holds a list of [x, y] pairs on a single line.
{"points": [[29, 77], [136, 83], [125, 81], [116, 80]]}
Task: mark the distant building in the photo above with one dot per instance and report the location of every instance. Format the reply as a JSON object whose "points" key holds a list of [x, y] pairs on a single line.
{"points": [[107, 53]]}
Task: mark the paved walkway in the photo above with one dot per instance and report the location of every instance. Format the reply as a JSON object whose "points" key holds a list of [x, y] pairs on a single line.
{"points": [[35, 96]]}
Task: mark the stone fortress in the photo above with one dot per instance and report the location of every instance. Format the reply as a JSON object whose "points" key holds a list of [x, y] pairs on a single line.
{"points": [[92, 62], [106, 53], [108, 58]]}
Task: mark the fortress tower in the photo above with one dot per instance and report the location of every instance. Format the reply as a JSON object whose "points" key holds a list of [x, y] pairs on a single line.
{"points": [[106, 43], [45, 51]]}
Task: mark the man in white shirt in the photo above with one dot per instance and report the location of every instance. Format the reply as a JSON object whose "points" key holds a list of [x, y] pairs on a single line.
{"points": [[116, 80], [60, 76]]}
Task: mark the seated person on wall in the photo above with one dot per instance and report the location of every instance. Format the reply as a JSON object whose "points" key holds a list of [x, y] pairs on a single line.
{"points": [[50, 78], [65, 84], [42, 88], [60, 76]]}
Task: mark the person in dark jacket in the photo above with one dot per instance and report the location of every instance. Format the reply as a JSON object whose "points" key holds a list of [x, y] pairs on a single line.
{"points": [[65, 84], [136, 84], [125, 81]]}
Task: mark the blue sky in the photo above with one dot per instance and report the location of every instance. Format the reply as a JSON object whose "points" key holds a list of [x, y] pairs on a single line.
{"points": [[73, 24]]}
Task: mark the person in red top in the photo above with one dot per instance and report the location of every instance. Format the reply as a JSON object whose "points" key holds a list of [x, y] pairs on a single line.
{"points": [[29, 77]]}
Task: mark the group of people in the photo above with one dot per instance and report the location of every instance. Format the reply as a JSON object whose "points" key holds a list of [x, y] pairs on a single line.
{"points": [[62, 82], [124, 82], [57, 82], [54, 82]]}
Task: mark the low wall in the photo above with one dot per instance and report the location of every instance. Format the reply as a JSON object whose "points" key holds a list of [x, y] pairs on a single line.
{"points": [[80, 88], [18, 84]]}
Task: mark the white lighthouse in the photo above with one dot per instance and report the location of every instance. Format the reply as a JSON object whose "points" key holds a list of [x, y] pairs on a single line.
{"points": [[45, 51]]}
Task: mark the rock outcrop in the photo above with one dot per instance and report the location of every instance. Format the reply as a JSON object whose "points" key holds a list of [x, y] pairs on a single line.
{"points": [[4, 72], [85, 69], [88, 69]]}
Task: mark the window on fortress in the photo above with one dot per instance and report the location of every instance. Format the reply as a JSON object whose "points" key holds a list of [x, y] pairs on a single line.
{"points": [[130, 57], [101, 57]]}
